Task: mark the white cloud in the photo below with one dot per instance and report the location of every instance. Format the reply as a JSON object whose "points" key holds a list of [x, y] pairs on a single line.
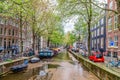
{"points": [[69, 23]]}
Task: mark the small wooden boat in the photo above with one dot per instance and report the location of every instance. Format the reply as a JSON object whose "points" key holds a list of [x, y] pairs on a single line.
{"points": [[34, 60], [20, 67]]}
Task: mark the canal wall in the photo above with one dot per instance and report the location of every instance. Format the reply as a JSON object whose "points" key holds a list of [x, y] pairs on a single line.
{"points": [[102, 72], [5, 66]]}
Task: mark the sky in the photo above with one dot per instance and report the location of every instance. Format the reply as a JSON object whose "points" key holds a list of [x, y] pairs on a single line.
{"points": [[69, 24]]}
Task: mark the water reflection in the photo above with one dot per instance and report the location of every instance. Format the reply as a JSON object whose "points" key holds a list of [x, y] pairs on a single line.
{"points": [[26, 75], [31, 74]]}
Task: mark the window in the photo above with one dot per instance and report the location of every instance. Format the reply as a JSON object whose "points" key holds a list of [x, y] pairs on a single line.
{"points": [[9, 32], [2, 21], [95, 33], [98, 33], [1, 30], [12, 41], [115, 5], [5, 43], [115, 22], [98, 23], [109, 40], [109, 53], [110, 24], [102, 40], [9, 43], [115, 54], [98, 43], [95, 26], [91, 34], [111, 5], [102, 21], [102, 30], [116, 41], [17, 24], [4, 31], [92, 42], [0, 41], [10, 22], [13, 32]]}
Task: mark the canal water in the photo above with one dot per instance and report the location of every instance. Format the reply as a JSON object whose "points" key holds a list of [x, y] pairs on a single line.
{"points": [[56, 70]]}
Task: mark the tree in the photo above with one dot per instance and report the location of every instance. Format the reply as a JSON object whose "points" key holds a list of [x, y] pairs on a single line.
{"points": [[80, 29], [84, 9]]}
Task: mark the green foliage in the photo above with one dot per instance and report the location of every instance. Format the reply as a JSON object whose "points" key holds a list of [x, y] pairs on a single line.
{"points": [[69, 38]]}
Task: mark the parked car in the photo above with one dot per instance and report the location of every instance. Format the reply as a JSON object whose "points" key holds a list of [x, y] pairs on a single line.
{"points": [[96, 57], [75, 49]]}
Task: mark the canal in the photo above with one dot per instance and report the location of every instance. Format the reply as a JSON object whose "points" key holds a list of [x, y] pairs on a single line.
{"points": [[62, 67]]}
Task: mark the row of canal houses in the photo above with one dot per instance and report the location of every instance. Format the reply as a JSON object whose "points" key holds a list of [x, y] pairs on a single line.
{"points": [[10, 37], [105, 31]]}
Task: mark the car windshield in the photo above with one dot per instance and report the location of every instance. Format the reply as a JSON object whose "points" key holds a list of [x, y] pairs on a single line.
{"points": [[98, 55]]}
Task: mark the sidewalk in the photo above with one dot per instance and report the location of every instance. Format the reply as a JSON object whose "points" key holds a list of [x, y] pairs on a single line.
{"points": [[12, 61]]}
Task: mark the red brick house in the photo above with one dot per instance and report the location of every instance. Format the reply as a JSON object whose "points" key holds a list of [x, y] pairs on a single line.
{"points": [[112, 32]]}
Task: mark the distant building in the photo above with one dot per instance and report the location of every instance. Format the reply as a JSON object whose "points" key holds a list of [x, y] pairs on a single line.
{"points": [[113, 34], [98, 33]]}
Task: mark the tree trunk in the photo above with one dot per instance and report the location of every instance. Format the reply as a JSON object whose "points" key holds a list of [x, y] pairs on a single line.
{"points": [[89, 39], [33, 31], [48, 42], [21, 40], [89, 26], [33, 44], [39, 42]]}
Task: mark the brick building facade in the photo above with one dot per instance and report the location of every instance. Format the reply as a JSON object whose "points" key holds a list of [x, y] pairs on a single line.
{"points": [[113, 34], [98, 32]]}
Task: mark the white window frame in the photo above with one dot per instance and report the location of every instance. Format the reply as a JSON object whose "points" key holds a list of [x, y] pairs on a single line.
{"points": [[116, 40], [115, 22], [111, 5]]}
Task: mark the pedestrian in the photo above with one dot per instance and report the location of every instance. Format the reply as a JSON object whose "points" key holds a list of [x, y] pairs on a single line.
{"points": [[101, 50]]}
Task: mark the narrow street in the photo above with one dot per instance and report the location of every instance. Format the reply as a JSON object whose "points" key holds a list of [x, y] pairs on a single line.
{"points": [[62, 67]]}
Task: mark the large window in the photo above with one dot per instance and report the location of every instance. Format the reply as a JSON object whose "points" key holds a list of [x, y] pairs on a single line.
{"points": [[102, 30], [4, 31], [98, 24], [92, 34], [95, 33], [2, 21], [110, 24], [109, 40], [92, 43], [12, 41], [13, 32], [0, 41], [102, 21], [115, 54], [111, 5], [109, 53], [98, 32], [5, 43], [102, 40], [116, 40], [9, 32], [115, 22], [1, 30]]}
